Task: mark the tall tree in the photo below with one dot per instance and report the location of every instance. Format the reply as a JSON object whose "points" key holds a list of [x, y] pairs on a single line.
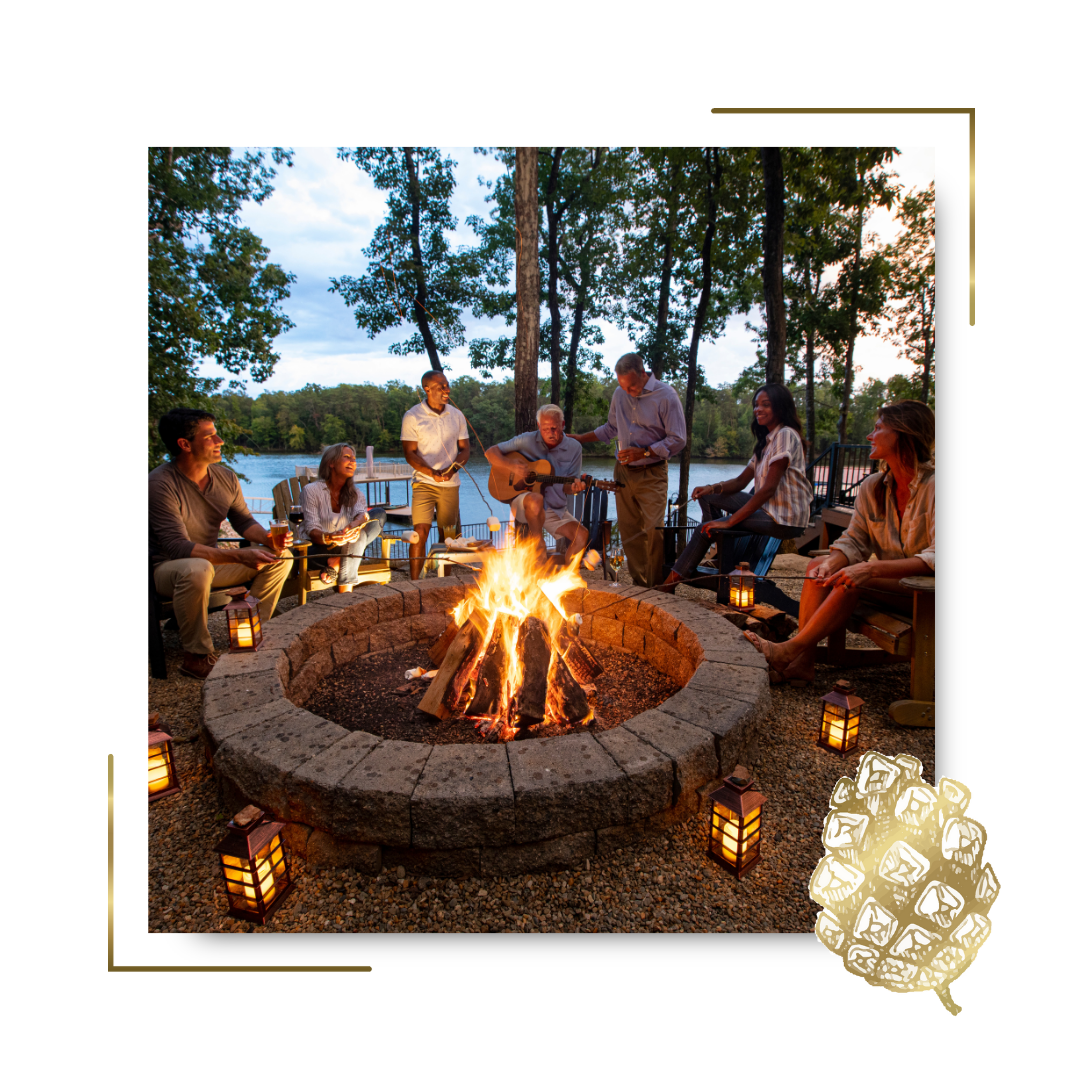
{"points": [[912, 258], [210, 291], [772, 269], [863, 183], [413, 278], [527, 342]]}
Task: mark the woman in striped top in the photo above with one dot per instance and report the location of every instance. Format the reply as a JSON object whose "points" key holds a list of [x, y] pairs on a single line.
{"points": [[336, 518], [780, 505]]}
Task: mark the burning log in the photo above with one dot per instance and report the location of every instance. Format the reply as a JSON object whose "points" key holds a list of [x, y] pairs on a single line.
{"points": [[438, 651], [569, 702], [535, 659], [582, 664], [463, 650], [489, 677]]}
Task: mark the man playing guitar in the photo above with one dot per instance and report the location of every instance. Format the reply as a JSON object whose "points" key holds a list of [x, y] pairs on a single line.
{"points": [[549, 510]]}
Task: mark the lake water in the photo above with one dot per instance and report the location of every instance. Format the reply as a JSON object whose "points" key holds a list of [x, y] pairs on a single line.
{"points": [[265, 470]]}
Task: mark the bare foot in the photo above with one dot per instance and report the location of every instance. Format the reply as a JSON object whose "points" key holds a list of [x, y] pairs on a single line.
{"points": [[800, 672], [768, 650]]}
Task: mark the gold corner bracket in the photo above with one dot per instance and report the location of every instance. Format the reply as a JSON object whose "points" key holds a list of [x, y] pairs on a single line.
{"points": [[201, 967]]}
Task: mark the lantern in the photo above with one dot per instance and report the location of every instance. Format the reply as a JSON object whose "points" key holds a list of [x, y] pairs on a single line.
{"points": [[741, 587], [162, 778], [245, 630], [840, 720], [253, 862], [735, 823]]}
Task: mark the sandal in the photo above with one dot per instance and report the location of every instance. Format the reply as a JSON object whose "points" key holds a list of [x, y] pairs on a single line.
{"points": [[328, 577]]}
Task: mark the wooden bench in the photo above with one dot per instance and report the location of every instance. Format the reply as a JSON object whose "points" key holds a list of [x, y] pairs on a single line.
{"points": [[898, 638]]}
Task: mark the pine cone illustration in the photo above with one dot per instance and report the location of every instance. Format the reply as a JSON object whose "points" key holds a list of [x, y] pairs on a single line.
{"points": [[905, 892]]}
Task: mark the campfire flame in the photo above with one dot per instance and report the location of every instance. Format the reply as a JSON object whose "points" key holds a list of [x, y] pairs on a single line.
{"points": [[514, 584]]}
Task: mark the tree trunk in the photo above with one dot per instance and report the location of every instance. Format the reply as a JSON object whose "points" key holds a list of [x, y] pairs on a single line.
{"points": [[571, 360], [553, 218], [853, 320], [773, 265], [527, 341], [928, 353], [659, 357], [421, 300], [811, 431], [695, 337]]}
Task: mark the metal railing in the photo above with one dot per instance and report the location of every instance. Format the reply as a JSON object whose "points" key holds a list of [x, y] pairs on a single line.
{"points": [[837, 474]]}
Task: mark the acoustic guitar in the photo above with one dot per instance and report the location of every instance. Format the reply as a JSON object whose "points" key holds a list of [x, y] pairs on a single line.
{"points": [[502, 486]]}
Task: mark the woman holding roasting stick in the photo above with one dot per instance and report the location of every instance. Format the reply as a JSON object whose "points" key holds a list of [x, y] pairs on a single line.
{"points": [[336, 520], [780, 505]]}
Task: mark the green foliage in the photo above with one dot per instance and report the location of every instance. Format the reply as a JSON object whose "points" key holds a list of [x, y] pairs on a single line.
{"points": [[413, 277], [211, 293], [914, 287]]}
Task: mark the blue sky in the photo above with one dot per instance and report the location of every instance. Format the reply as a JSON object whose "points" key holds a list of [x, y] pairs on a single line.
{"points": [[322, 215]]}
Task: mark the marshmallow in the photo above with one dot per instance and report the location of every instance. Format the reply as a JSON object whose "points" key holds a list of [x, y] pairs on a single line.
{"points": [[494, 524]]}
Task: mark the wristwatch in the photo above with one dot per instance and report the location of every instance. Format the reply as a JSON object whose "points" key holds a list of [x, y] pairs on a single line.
{"points": [[648, 452]]}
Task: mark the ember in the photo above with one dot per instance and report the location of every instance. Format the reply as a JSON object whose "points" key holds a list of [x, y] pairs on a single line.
{"points": [[511, 657]]}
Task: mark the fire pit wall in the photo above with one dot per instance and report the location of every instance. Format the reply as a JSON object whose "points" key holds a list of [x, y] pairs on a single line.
{"points": [[352, 799]]}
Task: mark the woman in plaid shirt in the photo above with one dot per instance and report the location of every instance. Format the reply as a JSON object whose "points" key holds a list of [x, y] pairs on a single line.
{"points": [[780, 504]]}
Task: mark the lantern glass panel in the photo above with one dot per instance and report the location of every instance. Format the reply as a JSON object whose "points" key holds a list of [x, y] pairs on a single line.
{"points": [[160, 767], [839, 728], [741, 588]]}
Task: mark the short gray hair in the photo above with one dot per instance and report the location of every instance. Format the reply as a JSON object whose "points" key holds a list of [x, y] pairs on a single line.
{"points": [[630, 361], [550, 410]]}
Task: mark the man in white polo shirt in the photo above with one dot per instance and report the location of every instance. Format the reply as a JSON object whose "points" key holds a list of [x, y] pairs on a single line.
{"points": [[548, 510], [436, 441]]}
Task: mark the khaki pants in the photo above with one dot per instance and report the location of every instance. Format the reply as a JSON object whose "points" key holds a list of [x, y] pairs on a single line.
{"points": [[189, 582], [435, 500], [640, 509]]}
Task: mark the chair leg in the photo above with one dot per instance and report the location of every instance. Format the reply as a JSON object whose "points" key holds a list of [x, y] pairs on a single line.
{"points": [[922, 647], [157, 645]]}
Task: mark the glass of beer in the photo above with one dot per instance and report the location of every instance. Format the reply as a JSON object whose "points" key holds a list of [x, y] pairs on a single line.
{"points": [[279, 529]]}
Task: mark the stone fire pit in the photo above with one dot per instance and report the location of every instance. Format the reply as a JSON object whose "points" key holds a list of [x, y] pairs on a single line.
{"points": [[352, 799]]}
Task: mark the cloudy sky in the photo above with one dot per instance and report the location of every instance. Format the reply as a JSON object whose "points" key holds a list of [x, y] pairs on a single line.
{"points": [[322, 215]]}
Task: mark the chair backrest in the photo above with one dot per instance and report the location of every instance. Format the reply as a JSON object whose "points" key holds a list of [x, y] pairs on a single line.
{"points": [[758, 551], [286, 494]]}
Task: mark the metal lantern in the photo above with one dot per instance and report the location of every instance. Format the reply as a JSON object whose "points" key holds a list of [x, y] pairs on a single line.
{"points": [[245, 629], [253, 862], [735, 823], [741, 587], [162, 769], [840, 714]]}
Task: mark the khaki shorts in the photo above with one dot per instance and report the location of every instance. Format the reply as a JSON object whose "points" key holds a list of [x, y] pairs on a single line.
{"points": [[554, 520], [430, 500]]}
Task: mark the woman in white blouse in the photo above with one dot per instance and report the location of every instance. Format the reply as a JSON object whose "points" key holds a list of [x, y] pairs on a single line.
{"points": [[891, 536], [780, 505], [336, 518]]}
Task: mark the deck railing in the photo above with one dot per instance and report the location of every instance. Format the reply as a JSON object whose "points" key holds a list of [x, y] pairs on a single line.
{"points": [[837, 474]]}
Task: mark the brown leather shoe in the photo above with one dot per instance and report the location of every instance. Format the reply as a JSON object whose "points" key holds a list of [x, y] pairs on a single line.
{"points": [[196, 666]]}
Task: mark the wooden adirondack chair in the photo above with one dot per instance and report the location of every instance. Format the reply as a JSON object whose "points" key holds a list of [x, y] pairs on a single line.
{"points": [[897, 637], [305, 578]]}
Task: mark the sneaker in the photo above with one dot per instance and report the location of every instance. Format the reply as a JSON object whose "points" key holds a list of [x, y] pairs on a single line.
{"points": [[196, 666]]}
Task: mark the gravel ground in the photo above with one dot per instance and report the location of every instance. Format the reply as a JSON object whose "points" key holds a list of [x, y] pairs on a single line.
{"points": [[665, 885]]}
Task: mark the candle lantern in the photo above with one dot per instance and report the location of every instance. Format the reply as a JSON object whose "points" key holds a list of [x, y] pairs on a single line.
{"points": [[162, 768], [253, 862], [840, 714], [245, 629], [735, 823], [741, 587]]}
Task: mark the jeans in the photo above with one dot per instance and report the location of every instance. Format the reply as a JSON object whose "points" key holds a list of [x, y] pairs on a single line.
{"points": [[350, 553], [712, 507]]}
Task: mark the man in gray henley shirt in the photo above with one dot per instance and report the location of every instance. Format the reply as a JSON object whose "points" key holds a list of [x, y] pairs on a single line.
{"points": [[647, 417], [189, 498]]}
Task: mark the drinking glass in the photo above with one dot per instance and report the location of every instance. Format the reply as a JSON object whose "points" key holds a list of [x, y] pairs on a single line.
{"points": [[279, 529], [296, 515]]}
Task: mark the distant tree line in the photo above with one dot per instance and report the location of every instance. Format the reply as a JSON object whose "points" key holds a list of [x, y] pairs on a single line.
{"points": [[304, 421]]}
